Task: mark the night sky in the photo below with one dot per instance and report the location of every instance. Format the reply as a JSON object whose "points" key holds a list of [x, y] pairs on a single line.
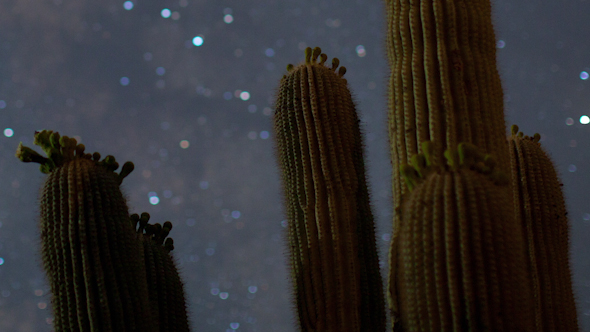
{"points": [[185, 90]]}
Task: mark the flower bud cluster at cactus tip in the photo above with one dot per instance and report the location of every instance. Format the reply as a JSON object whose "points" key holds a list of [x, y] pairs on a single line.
{"points": [[62, 149], [311, 58], [155, 232], [468, 156], [514, 130]]}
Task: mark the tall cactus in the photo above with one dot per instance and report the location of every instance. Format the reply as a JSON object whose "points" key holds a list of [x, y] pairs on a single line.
{"points": [[462, 257], [91, 255], [334, 262], [445, 89]]}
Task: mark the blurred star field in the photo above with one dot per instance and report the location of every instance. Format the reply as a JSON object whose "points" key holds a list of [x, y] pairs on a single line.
{"points": [[185, 90]]}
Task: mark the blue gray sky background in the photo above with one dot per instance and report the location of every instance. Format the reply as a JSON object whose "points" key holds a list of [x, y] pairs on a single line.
{"points": [[184, 89]]}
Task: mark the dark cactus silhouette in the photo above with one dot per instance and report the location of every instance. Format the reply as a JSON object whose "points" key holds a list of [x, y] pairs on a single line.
{"points": [[165, 288], [463, 257], [92, 255]]}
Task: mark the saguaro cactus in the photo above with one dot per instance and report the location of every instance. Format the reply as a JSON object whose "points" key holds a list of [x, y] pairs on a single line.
{"points": [[462, 257], [540, 210], [445, 89], [166, 290], [92, 257], [334, 263], [108, 271]]}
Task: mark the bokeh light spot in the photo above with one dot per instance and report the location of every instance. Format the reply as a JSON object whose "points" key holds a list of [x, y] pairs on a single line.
{"points": [[245, 95], [584, 119], [198, 41], [8, 132], [228, 19], [124, 81], [584, 75], [165, 13], [360, 51], [128, 5]]}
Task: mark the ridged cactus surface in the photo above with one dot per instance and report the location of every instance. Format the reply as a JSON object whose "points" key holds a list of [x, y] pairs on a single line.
{"points": [[444, 89], [166, 290], [461, 259], [540, 208], [333, 256], [444, 85], [90, 252]]}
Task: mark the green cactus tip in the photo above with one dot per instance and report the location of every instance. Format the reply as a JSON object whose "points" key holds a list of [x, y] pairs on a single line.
{"points": [[62, 149], [466, 155], [311, 58]]}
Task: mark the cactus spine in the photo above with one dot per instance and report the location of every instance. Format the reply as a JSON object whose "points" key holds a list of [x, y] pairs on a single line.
{"points": [[333, 256]]}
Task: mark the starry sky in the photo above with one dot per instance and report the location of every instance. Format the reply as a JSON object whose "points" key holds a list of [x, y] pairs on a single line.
{"points": [[185, 90]]}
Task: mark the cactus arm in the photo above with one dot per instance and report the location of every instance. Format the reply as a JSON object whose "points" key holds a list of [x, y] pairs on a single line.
{"points": [[540, 209], [165, 287]]}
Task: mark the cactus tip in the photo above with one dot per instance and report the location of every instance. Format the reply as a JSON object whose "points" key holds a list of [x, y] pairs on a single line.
{"points": [[80, 149], [418, 161], [514, 129], [290, 67], [308, 52], [468, 154], [335, 63], [427, 149], [323, 58], [536, 137], [27, 155], [316, 53], [410, 175], [169, 244], [128, 167], [168, 225], [54, 139], [341, 71], [450, 155]]}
